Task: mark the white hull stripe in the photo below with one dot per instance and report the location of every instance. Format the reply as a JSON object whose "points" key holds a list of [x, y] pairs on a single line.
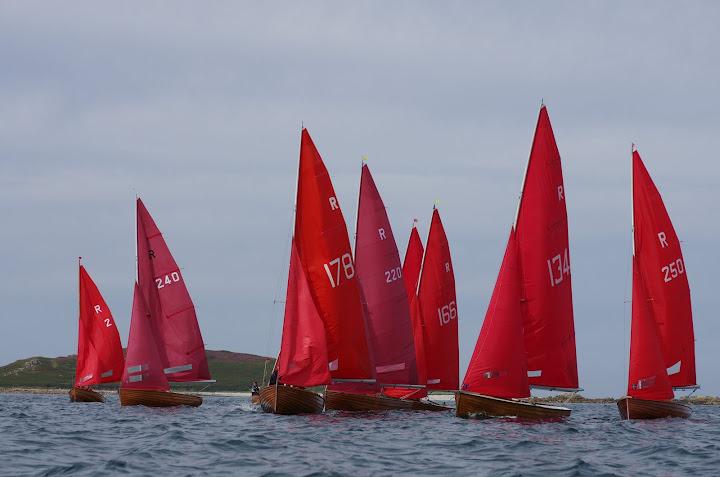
{"points": [[135, 369], [535, 373], [178, 369], [85, 378], [107, 374], [135, 379], [674, 369], [333, 365], [389, 368], [433, 381]]}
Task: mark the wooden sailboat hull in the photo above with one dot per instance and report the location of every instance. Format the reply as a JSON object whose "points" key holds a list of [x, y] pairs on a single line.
{"points": [[151, 398], [85, 395], [255, 398], [479, 405], [341, 401], [634, 408], [289, 400]]}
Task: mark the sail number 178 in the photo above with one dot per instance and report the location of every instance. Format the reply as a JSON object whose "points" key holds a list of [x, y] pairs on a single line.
{"points": [[558, 268]]}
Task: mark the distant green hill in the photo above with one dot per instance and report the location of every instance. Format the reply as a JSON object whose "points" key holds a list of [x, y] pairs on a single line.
{"points": [[232, 371]]}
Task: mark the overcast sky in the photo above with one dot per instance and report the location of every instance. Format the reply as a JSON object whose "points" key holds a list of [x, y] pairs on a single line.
{"points": [[197, 107]]}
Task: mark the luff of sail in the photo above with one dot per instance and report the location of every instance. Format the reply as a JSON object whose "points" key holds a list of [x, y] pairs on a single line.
{"points": [[542, 235], [143, 366], [100, 355], [380, 275], [497, 366], [647, 377], [437, 306], [323, 248], [303, 359], [662, 267], [179, 340]]}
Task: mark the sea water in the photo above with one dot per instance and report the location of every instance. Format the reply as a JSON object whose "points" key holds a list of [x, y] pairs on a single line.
{"points": [[48, 435]]}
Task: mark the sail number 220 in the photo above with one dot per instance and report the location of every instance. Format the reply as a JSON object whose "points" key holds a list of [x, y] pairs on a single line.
{"points": [[558, 268]]}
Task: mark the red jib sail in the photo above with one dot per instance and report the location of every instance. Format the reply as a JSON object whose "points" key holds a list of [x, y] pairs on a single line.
{"points": [[323, 247], [380, 275], [661, 265], [542, 235], [143, 366], [180, 342], [438, 310], [100, 354], [648, 378], [497, 367], [303, 359], [412, 263]]}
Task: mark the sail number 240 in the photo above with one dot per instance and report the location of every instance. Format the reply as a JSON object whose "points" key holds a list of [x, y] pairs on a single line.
{"points": [[558, 268], [168, 279], [336, 265]]}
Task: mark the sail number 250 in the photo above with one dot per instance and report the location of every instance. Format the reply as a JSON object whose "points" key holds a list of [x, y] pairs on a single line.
{"points": [[673, 270], [558, 267], [335, 266]]}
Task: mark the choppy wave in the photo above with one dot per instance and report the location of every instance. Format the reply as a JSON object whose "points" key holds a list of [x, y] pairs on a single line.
{"points": [[47, 435]]}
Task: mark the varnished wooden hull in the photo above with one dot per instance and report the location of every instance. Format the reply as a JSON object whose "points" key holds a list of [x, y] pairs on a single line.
{"points": [[634, 408], [425, 405], [289, 400], [341, 401], [479, 405], [85, 395], [150, 398]]}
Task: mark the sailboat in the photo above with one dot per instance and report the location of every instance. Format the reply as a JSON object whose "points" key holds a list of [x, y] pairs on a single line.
{"points": [[662, 343], [322, 288], [172, 323], [100, 354], [434, 313], [387, 312], [533, 294]]}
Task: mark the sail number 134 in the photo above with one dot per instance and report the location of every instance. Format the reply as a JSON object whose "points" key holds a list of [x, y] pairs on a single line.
{"points": [[558, 268]]}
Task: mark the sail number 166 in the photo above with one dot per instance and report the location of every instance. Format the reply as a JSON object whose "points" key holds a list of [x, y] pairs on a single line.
{"points": [[447, 313]]}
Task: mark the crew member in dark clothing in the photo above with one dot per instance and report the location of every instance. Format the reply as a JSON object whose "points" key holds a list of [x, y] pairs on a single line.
{"points": [[255, 388], [273, 377]]}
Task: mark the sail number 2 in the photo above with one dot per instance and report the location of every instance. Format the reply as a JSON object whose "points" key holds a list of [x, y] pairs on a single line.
{"points": [[168, 279], [673, 270], [334, 266], [558, 267]]}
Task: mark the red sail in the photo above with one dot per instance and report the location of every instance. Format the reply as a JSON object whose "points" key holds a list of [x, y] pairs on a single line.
{"points": [[303, 357], [497, 367], [380, 275], [180, 342], [662, 268], [438, 309], [542, 236], [412, 263], [143, 366], [100, 354], [648, 378], [324, 250]]}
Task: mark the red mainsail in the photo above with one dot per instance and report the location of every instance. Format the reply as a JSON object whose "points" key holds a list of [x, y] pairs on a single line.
{"points": [[143, 365], [380, 275], [542, 236], [662, 268], [498, 367], [412, 263], [323, 247], [100, 354], [648, 378], [303, 359], [438, 310], [179, 340]]}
